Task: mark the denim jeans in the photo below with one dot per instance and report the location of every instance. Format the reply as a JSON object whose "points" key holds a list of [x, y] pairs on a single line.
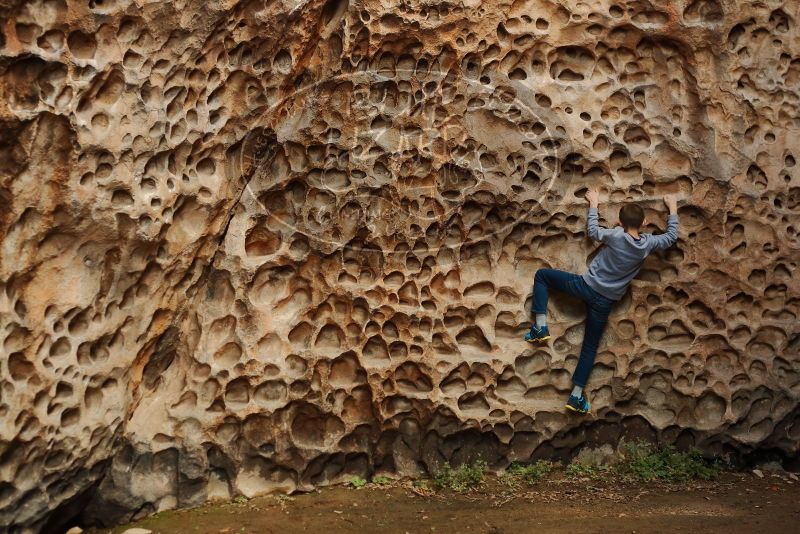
{"points": [[597, 309]]}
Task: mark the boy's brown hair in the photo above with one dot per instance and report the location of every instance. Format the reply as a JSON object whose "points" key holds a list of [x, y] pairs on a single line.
{"points": [[631, 216]]}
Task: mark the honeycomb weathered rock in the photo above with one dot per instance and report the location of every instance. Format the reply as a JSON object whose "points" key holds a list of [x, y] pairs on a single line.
{"points": [[268, 244]]}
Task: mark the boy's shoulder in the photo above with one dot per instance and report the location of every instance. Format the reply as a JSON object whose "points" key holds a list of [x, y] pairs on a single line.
{"points": [[617, 230], [615, 236]]}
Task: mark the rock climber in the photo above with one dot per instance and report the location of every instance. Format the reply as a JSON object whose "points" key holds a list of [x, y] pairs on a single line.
{"points": [[606, 281]]}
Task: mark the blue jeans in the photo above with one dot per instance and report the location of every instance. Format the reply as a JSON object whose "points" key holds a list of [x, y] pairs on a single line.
{"points": [[597, 309]]}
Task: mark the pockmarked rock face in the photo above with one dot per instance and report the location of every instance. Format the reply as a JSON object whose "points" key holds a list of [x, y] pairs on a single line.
{"points": [[265, 245]]}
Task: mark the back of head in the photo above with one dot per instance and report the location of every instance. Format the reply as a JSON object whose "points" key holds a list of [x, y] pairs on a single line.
{"points": [[631, 216]]}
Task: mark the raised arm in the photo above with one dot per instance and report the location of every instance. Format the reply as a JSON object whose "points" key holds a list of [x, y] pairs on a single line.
{"points": [[595, 231], [666, 240]]}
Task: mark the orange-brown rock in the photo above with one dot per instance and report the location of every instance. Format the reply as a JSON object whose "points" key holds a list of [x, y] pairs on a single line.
{"points": [[265, 245]]}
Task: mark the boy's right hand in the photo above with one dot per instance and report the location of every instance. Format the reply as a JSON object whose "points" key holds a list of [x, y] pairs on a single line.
{"points": [[593, 196], [672, 203]]}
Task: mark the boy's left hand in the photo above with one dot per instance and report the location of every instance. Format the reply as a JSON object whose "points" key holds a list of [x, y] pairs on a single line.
{"points": [[593, 196], [672, 203]]}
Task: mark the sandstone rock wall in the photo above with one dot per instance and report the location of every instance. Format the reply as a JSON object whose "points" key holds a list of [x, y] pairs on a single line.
{"points": [[271, 244]]}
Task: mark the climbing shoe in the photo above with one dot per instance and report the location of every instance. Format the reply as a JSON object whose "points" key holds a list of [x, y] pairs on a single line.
{"points": [[537, 334], [577, 404]]}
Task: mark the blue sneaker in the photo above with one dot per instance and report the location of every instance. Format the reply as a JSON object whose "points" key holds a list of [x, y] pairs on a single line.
{"points": [[577, 404], [537, 334]]}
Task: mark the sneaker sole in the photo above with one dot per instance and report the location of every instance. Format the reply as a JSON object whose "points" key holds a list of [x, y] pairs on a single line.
{"points": [[538, 339], [568, 407]]}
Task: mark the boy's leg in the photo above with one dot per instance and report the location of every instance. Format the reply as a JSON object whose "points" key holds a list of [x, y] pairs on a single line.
{"points": [[544, 280], [596, 320]]}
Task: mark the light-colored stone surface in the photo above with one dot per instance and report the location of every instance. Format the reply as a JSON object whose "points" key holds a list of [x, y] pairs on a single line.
{"points": [[264, 245]]}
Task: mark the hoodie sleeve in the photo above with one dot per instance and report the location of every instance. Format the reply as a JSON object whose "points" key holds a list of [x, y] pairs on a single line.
{"points": [[596, 232], [667, 239]]}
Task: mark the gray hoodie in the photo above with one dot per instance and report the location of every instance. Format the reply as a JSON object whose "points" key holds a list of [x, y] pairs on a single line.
{"points": [[612, 270]]}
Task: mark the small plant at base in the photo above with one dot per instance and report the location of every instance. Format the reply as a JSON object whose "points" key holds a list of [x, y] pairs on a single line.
{"points": [[530, 473], [240, 499], [460, 479], [357, 482], [381, 480], [645, 462]]}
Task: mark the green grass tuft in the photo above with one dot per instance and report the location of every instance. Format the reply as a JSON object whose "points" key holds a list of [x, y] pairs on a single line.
{"points": [[462, 478], [646, 462], [528, 473], [357, 482]]}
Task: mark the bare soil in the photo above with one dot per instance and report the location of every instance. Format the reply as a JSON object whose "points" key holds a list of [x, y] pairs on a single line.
{"points": [[735, 503]]}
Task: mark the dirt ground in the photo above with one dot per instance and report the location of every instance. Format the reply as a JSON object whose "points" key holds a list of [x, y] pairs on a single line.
{"points": [[735, 503]]}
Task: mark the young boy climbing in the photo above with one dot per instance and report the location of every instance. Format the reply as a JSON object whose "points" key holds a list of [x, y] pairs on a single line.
{"points": [[609, 275]]}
